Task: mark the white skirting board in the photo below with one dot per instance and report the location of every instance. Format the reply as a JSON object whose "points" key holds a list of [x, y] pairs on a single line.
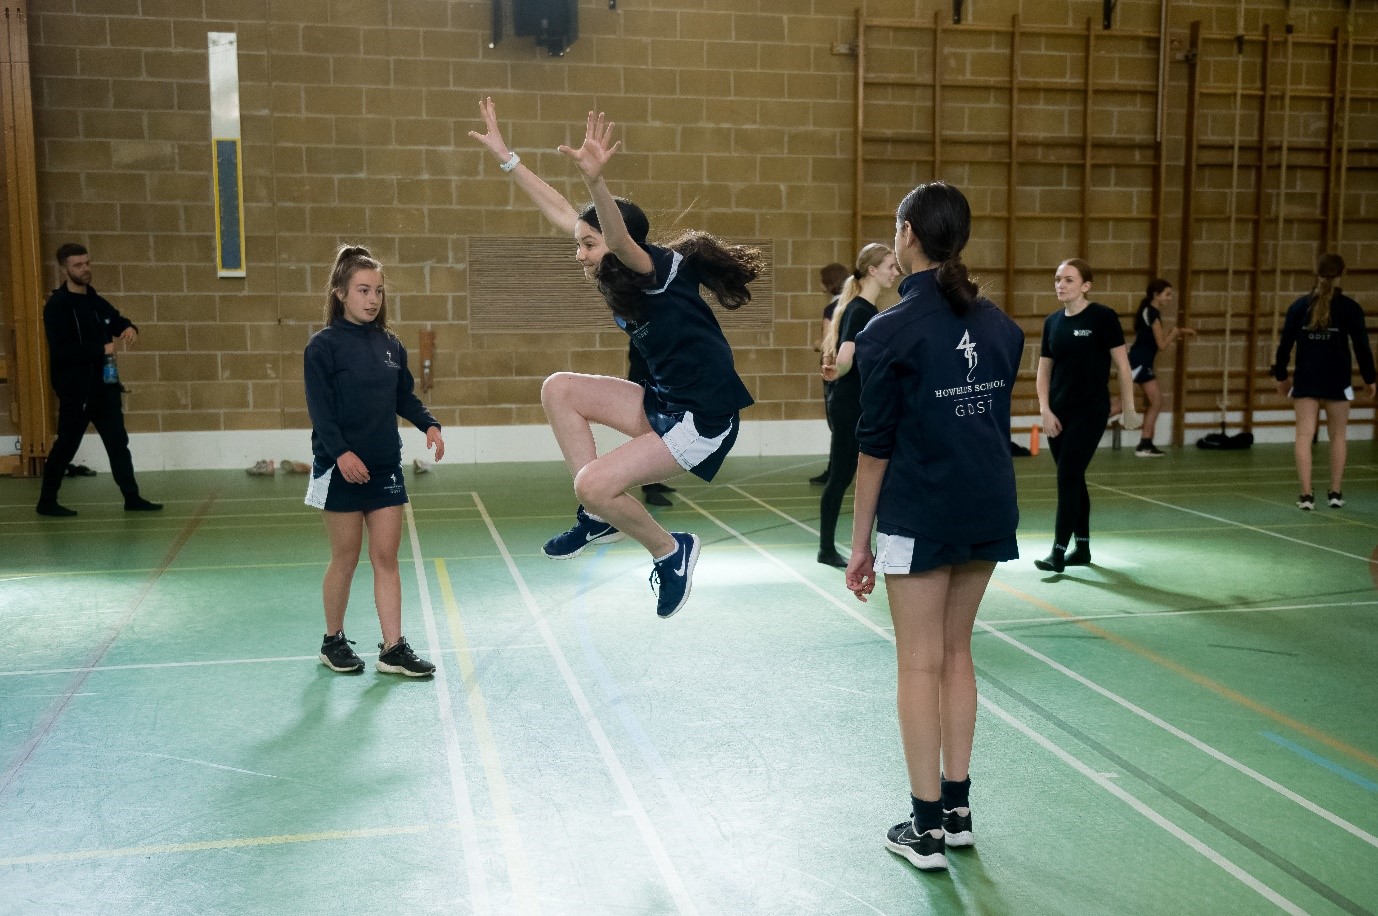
{"points": [[178, 451]]}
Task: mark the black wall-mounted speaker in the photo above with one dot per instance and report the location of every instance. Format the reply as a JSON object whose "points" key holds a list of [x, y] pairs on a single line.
{"points": [[553, 23]]}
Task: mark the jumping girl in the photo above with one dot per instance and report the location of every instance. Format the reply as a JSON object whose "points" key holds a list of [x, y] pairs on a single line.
{"points": [[685, 418]]}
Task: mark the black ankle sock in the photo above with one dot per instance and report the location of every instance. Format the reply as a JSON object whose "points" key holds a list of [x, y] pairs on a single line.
{"points": [[1145, 443], [956, 794], [928, 815]]}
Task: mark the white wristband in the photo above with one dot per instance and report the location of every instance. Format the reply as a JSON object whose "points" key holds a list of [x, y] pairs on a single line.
{"points": [[511, 163]]}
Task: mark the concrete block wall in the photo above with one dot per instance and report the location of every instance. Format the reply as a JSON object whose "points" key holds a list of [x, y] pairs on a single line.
{"points": [[737, 118]]}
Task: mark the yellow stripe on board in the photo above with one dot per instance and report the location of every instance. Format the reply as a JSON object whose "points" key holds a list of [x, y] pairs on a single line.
{"points": [[1216, 687], [517, 869], [90, 854]]}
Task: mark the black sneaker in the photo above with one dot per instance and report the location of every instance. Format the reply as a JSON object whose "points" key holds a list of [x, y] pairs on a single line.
{"points": [[79, 470], [587, 530], [832, 558], [819, 480], [139, 504], [672, 576], [400, 659], [957, 828], [1306, 502], [337, 656], [1080, 555], [1053, 562], [926, 851], [1148, 451], [1336, 499], [50, 508]]}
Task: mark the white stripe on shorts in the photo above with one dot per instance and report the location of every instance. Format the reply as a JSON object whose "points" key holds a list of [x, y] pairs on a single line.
{"points": [[687, 446], [894, 554], [318, 489]]}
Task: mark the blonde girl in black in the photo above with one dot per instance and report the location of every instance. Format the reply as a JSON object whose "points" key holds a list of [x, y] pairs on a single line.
{"points": [[856, 306], [1323, 325]]}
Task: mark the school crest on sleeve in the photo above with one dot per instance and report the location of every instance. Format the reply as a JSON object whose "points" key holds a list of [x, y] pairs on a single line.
{"points": [[968, 348]]}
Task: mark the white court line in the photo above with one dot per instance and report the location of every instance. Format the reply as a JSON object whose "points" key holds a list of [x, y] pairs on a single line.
{"points": [[1150, 615], [1226, 521], [1202, 848], [1195, 742], [673, 882], [459, 786], [1166, 726], [1229, 867]]}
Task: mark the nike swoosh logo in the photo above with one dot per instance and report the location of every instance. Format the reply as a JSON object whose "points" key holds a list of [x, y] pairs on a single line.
{"points": [[683, 562], [591, 535]]}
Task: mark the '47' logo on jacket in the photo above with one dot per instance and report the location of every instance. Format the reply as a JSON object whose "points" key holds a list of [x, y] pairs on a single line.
{"points": [[968, 346]]}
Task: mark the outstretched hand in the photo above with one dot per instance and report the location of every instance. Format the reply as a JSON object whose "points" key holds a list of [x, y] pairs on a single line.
{"points": [[493, 137], [597, 148]]}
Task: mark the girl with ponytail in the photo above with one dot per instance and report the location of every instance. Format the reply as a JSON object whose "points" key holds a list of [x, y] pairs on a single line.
{"points": [[856, 306], [1323, 325], [685, 417], [357, 385], [936, 481]]}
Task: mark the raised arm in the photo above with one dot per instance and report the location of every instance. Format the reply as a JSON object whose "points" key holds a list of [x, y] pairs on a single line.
{"points": [[591, 157], [548, 200]]}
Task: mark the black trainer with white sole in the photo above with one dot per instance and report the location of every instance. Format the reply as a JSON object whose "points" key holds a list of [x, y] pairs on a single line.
{"points": [[924, 851], [1306, 502], [587, 530], [957, 828], [400, 659], [337, 656], [1336, 499]]}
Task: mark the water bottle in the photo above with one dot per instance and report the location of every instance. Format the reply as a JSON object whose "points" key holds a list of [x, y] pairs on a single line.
{"points": [[110, 374]]}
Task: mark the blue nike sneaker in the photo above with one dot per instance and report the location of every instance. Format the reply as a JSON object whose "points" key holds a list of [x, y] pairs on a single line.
{"points": [[587, 530], [670, 577]]}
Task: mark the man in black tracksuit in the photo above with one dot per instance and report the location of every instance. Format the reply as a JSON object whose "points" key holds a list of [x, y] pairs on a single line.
{"points": [[82, 328]]}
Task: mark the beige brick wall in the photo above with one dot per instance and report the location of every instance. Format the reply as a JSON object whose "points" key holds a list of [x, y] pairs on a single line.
{"points": [[737, 119]]}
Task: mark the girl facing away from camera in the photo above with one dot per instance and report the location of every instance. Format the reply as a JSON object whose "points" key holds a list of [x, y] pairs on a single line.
{"points": [[1323, 325], [936, 481], [357, 385], [685, 417]]}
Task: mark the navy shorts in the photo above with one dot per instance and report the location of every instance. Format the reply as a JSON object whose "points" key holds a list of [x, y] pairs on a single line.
{"points": [[698, 444], [1323, 392], [1141, 374], [329, 490], [900, 553]]}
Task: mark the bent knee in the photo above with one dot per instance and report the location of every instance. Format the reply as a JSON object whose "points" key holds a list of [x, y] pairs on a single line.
{"points": [[594, 486], [556, 387]]}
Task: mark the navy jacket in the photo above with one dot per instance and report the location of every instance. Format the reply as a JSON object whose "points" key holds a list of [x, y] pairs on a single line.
{"points": [[357, 384], [935, 402], [78, 326], [1323, 362], [688, 360]]}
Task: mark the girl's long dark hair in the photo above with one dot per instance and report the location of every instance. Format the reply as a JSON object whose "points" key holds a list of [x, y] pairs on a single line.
{"points": [[348, 261], [941, 219], [725, 269], [1155, 286]]}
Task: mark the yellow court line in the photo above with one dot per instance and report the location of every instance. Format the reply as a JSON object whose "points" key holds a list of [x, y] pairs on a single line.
{"points": [[85, 855], [518, 869], [1216, 687]]}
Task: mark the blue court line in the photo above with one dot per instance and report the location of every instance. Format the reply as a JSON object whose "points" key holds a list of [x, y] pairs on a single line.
{"points": [[1330, 765]]}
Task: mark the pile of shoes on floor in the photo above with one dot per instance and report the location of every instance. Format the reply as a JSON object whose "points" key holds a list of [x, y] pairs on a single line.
{"points": [[267, 467]]}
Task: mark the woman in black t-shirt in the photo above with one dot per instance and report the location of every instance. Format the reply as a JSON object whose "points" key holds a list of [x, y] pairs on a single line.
{"points": [[875, 271], [1080, 340], [686, 415], [1323, 325]]}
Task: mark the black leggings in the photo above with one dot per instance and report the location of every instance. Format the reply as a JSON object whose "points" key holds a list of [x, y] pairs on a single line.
{"points": [[1072, 452], [73, 414], [842, 457]]}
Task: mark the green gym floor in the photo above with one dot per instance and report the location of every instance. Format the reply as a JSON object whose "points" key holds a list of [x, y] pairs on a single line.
{"points": [[1187, 726]]}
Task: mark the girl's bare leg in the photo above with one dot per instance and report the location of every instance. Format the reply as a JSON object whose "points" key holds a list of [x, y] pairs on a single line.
{"points": [[574, 402], [384, 538], [1337, 427], [346, 533], [1308, 411]]}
